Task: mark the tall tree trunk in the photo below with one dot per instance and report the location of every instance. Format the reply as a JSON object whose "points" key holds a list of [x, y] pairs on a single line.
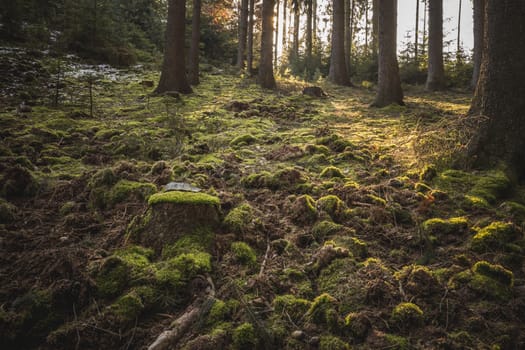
{"points": [[458, 48], [193, 59], [436, 69], [173, 74], [416, 35], [349, 35], [375, 27], [500, 90], [309, 19], [276, 45], [478, 14], [338, 74], [285, 33], [266, 78], [243, 30], [296, 24], [314, 21], [250, 37], [366, 27], [424, 44], [389, 85]]}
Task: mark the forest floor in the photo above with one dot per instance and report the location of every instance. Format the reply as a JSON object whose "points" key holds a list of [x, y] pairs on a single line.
{"points": [[339, 226]]}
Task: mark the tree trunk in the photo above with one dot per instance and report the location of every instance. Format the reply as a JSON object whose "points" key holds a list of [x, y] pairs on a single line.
{"points": [[338, 74], [436, 70], [243, 29], [173, 74], [266, 78], [424, 44], [314, 21], [349, 35], [276, 46], [366, 27], [296, 24], [478, 14], [309, 19], [500, 90], [389, 84], [284, 26], [193, 59], [375, 27], [458, 48], [250, 37], [416, 35]]}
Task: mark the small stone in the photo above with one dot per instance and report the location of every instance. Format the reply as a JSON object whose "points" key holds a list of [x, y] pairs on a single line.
{"points": [[298, 334], [181, 186], [314, 340]]}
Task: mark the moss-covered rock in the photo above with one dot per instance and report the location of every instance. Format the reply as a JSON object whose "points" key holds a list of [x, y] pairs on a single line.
{"points": [[331, 172], [127, 308], [335, 142], [492, 186], [243, 140], [438, 226], [417, 280], [125, 190], [406, 316], [303, 210], [239, 219], [324, 229], [317, 313], [243, 253], [494, 236], [180, 197]]}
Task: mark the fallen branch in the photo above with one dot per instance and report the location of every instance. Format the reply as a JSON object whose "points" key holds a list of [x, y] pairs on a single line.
{"points": [[170, 337]]}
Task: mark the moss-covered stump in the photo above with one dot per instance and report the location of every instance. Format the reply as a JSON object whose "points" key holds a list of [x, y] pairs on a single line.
{"points": [[177, 213]]}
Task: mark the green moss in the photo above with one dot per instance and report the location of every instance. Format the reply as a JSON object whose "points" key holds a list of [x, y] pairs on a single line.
{"points": [[126, 190], [244, 337], [218, 312], [496, 272], [287, 179], [406, 316], [200, 240], [179, 197], [317, 313], [422, 188], [515, 210], [428, 173], [373, 199], [290, 305], [335, 142], [333, 206], [18, 181], [331, 172], [103, 178], [494, 185], [396, 342], [258, 180], [113, 277], [304, 210], [494, 236], [239, 219], [127, 308], [438, 226], [317, 149], [357, 247], [243, 140], [7, 212], [191, 264], [243, 253], [330, 342], [357, 324], [325, 228]]}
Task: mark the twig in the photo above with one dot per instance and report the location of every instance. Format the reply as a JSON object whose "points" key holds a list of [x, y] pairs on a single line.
{"points": [[261, 271]]}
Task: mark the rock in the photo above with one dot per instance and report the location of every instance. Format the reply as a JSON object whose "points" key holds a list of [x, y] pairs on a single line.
{"points": [[314, 91], [181, 186], [23, 108], [298, 334], [314, 340]]}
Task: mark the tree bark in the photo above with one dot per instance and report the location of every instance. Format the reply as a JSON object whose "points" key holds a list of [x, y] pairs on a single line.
{"points": [[309, 19], [173, 74], [193, 59], [478, 14], [458, 48], [349, 35], [296, 24], [389, 85], [424, 44], [500, 90], [276, 46], [266, 78], [284, 26], [338, 74], [436, 69], [243, 29]]}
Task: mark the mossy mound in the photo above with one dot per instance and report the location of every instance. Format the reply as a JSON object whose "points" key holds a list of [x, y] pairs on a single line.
{"points": [[406, 316], [287, 179], [417, 280], [333, 206], [324, 229], [303, 210], [125, 190], [331, 172], [244, 337], [494, 236], [438, 229], [239, 219], [7, 212], [335, 142], [18, 181], [292, 306], [176, 214], [486, 279], [492, 186], [330, 342], [243, 253], [319, 310]]}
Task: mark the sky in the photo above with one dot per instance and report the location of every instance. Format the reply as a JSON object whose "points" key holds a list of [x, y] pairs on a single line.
{"points": [[407, 18]]}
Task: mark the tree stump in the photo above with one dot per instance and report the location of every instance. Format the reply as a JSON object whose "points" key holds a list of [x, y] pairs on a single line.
{"points": [[175, 214]]}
